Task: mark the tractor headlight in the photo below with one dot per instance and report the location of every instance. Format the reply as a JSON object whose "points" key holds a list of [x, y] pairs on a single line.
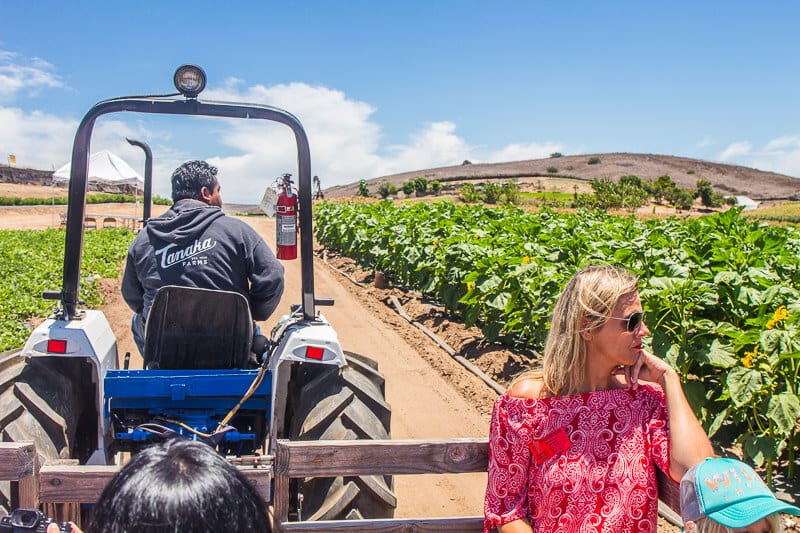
{"points": [[190, 80]]}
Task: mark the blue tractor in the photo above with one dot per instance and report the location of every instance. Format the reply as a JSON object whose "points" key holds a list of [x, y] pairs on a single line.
{"points": [[65, 390]]}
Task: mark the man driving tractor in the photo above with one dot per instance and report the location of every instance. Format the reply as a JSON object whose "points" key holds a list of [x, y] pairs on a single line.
{"points": [[194, 244]]}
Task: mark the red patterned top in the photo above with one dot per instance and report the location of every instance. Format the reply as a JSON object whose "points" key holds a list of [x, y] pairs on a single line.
{"points": [[582, 463]]}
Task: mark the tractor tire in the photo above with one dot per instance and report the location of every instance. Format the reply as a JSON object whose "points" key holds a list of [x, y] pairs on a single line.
{"points": [[329, 403], [39, 402]]}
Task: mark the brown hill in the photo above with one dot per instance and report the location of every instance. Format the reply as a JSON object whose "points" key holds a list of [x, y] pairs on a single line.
{"points": [[726, 179]]}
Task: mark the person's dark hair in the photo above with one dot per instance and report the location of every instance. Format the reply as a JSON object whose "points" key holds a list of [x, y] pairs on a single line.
{"points": [[179, 485], [190, 177]]}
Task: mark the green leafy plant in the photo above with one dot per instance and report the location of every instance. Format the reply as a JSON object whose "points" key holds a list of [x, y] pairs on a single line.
{"points": [[32, 262], [722, 294]]}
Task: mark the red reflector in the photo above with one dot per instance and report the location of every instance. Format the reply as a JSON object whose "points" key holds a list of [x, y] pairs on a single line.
{"points": [[313, 352], [56, 346]]}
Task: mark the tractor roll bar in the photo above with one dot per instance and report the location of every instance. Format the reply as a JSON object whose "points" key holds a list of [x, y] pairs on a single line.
{"points": [[80, 169], [148, 177]]}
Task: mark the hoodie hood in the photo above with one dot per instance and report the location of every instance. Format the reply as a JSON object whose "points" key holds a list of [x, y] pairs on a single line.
{"points": [[183, 222]]}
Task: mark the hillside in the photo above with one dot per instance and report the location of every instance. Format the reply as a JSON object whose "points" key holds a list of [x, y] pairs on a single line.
{"points": [[726, 179]]}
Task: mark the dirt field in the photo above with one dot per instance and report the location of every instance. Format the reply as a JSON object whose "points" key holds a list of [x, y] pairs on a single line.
{"points": [[431, 394]]}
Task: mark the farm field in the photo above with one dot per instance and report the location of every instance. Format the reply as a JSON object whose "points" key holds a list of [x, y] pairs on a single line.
{"points": [[471, 399], [720, 291]]}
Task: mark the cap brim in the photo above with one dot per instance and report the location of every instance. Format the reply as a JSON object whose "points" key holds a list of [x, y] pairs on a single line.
{"points": [[746, 512]]}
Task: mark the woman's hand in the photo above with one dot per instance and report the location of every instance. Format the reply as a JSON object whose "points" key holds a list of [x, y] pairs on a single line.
{"points": [[647, 367]]}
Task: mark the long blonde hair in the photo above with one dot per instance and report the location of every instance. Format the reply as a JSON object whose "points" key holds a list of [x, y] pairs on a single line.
{"points": [[707, 525], [584, 305]]}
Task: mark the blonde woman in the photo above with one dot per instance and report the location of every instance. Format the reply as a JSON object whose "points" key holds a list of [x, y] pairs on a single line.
{"points": [[574, 447]]}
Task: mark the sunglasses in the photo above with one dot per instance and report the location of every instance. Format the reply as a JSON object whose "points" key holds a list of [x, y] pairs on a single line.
{"points": [[633, 321]]}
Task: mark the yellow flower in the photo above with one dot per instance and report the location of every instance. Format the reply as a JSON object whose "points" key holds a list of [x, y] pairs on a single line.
{"points": [[475, 236], [747, 360], [435, 242], [780, 314], [470, 285], [526, 259]]}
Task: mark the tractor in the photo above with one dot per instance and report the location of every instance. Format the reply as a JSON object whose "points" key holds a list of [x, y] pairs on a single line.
{"points": [[65, 391]]}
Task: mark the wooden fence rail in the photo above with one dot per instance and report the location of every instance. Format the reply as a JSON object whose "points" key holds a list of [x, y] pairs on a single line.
{"points": [[72, 484], [390, 457]]}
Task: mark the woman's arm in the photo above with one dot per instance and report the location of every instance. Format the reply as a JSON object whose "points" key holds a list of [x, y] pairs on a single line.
{"points": [[688, 442]]}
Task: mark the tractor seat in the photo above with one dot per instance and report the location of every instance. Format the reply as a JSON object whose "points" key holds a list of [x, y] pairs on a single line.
{"points": [[193, 329]]}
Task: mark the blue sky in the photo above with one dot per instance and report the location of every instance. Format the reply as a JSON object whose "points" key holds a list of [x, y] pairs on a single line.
{"points": [[386, 87]]}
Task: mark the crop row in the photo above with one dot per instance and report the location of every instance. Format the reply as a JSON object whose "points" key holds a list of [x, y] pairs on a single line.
{"points": [[33, 261], [720, 292]]}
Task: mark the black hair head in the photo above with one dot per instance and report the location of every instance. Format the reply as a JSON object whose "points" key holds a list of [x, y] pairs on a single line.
{"points": [[179, 485], [189, 178]]}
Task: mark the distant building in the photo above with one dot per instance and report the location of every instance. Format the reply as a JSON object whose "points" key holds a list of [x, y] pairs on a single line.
{"points": [[748, 203]]}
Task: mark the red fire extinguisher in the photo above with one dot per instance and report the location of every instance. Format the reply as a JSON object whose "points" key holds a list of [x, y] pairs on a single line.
{"points": [[286, 219]]}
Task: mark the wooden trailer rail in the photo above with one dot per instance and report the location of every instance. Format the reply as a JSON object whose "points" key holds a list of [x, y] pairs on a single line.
{"points": [[397, 457], [66, 482], [72, 484], [391, 457]]}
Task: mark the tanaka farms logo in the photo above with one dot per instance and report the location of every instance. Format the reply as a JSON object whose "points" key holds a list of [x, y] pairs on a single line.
{"points": [[169, 258]]}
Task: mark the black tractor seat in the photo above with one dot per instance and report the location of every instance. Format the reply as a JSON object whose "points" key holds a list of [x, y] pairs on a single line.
{"points": [[195, 329]]}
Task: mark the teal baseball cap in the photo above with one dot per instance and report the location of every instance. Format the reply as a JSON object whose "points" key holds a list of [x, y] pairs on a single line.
{"points": [[729, 492]]}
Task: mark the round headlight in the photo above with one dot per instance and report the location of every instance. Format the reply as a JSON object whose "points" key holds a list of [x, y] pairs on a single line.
{"points": [[190, 80]]}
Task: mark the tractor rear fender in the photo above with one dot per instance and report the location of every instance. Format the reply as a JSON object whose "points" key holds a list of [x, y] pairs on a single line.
{"points": [[299, 341], [89, 338]]}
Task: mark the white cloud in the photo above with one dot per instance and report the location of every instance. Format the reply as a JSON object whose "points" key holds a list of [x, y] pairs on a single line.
{"points": [[344, 140], [736, 150], [38, 140], [524, 151], [780, 143], [17, 76], [781, 155], [706, 141]]}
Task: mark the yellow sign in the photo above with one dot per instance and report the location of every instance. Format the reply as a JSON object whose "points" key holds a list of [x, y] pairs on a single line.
{"points": [[12, 159]]}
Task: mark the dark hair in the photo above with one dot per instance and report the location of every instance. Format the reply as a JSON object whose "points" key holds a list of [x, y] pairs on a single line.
{"points": [[179, 485], [190, 177]]}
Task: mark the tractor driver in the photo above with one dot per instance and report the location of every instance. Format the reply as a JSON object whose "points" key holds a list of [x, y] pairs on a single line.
{"points": [[194, 244]]}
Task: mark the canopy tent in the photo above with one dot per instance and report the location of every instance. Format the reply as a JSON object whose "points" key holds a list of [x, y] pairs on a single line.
{"points": [[104, 167]]}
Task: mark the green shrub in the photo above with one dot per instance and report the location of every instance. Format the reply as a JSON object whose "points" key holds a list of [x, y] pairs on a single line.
{"points": [[470, 193], [420, 185], [363, 190], [552, 170], [555, 155], [492, 192], [594, 161], [511, 192], [386, 189], [436, 186], [408, 187]]}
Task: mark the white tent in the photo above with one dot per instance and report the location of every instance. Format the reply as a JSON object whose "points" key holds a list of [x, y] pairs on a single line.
{"points": [[748, 203], [104, 167]]}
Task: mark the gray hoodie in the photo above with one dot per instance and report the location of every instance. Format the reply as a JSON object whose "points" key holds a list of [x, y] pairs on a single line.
{"points": [[195, 245]]}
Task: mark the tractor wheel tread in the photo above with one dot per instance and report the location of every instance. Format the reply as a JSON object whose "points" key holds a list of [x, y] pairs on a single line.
{"points": [[346, 404], [336, 504], [326, 410], [52, 422]]}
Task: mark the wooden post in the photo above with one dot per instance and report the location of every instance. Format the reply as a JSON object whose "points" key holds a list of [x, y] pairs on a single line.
{"points": [[19, 464]]}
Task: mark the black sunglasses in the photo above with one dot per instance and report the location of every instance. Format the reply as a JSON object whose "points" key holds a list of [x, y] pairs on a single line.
{"points": [[633, 321]]}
